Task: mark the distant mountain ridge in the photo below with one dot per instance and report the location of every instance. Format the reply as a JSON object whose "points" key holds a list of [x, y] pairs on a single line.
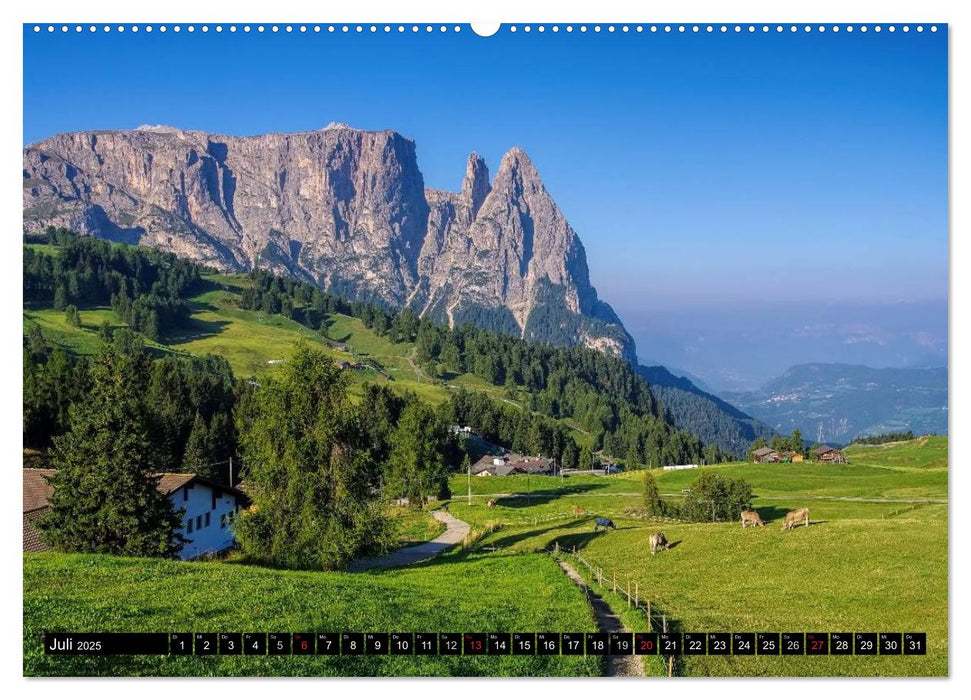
{"points": [[344, 209], [703, 414], [837, 402]]}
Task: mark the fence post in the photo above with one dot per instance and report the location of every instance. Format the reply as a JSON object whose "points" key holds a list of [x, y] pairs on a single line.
{"points": [[613, 575], [664, 624], [650, 626], [637, 593], [628, 593]]}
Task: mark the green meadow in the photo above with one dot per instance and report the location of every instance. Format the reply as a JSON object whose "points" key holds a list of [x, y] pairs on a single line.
{"points": [[459, 592], [868, 562]]}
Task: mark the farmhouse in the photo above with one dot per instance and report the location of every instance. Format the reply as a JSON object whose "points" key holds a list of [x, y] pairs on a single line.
{"points": [[790, 456], [209, 510], [829, 454], [766, 455], [511, 463]]}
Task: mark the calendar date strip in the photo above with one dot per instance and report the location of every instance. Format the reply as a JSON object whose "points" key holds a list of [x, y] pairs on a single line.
{"points": [[486, 643]]}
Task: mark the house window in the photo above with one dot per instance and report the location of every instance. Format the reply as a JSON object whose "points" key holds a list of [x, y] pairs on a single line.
{"points": [[185, 493], [198, 522], [188, 527], [215, 497], [207, 519]]}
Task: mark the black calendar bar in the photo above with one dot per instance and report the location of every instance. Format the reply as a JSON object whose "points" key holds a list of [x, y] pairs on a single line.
{"points": [[487, 643], [102, 643]]}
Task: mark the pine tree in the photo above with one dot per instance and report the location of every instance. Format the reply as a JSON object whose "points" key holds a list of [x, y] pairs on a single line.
{"points": [[105, 497], [106, 331], [72, 316], [60, 298], [36, 343], [653, 503], [586, 459], [198, 448], [417, 465], [313, 505]]}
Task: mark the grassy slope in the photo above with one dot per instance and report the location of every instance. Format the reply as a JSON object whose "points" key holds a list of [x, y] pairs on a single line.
{"points": [[456, 593], [860, 567], [254, 342]]}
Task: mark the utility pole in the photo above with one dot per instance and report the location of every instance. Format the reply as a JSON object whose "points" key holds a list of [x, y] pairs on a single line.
{"points": [[230, 471], [470, 482]]}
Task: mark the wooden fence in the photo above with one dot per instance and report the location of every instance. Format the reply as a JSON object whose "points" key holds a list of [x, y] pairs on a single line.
{"points": [[623, 587]]}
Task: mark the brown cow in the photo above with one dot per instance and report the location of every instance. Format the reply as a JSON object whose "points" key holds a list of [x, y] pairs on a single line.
{"points": [[579, 510], [658, 542], [491, 503], [752, 517], [794, 516]]}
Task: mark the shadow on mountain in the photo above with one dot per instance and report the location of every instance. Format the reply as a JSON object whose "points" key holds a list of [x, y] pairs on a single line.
{"points": [[196, 329]]}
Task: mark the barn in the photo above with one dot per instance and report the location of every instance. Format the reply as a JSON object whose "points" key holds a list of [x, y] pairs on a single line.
{"points": [[209, 510], [829, 454], [766, 454]]}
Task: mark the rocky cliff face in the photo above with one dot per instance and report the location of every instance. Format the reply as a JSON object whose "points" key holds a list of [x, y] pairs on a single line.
{"points": [[343, 208]]}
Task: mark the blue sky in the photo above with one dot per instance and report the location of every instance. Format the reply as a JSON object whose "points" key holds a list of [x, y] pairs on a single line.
{"points": [[700, 170]]}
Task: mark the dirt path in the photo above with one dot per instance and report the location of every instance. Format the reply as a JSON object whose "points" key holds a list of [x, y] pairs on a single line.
{"points": [[607, 621], [455, 532]]}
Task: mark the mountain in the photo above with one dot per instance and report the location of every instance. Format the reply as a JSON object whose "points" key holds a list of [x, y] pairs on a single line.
{"points": [[344, 209], [838, 402], [710, 418]]}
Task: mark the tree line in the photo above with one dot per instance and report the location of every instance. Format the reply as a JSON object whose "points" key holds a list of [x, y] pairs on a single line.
{"points": [[188, 400], [883, 438], [604, 395], [145, 288]]}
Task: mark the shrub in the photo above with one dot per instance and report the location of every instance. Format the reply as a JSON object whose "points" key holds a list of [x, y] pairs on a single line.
{"points": [[716, 498], [654, 505]]}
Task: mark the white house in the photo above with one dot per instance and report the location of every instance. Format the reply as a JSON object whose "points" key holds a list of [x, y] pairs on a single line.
{"points": [[209, 510]]}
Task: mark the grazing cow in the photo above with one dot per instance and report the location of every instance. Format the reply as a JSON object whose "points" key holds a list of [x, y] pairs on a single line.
{"points": [[491, 503], [794, 516], [605, 523], [752, 517], [658, 542], [578, 511]]}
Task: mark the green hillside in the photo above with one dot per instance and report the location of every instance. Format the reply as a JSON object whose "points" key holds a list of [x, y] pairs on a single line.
{"points": [[255, 343], [456, 593]]}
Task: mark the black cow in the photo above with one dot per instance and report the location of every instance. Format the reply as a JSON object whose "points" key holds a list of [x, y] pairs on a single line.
{"points": [[605, 523]]}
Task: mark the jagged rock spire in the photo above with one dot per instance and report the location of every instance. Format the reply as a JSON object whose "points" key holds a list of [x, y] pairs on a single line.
{"points": [[475, 186]]}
